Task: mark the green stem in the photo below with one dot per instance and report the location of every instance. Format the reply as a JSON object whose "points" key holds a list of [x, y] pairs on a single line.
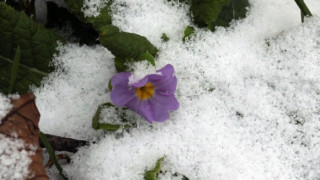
{"points": [[52, 155], [24, 66], [14, 69], [304, 9]]}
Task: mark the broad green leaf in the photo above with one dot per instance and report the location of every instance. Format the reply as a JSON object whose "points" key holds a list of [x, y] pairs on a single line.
{"points": [[37, 46], [152, 174], [212, 13], [207, 11], [126, 47], [60, 17], [236, 10], [52, 155], [102, 19], [187, 33], [120, 64], [107, 126], [96, 117], [75, 7], [15, 68]]}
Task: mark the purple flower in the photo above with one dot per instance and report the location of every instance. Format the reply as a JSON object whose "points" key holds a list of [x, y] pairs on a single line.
{"points": [[152, 96]]}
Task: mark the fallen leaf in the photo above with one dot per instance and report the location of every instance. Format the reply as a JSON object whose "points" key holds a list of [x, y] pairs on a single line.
{"points": [[22, 123]]}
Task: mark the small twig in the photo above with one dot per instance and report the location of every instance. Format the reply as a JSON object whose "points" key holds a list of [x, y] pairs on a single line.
{"points": [[59, 157], [64, 144]]}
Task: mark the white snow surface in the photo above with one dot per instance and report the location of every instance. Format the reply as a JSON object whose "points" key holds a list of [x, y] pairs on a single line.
{"points": [[249, 97], [14, 159], [5, 106]]}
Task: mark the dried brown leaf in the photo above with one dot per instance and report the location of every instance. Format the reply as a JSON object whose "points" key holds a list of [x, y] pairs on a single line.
{"points": [[22, 123]]}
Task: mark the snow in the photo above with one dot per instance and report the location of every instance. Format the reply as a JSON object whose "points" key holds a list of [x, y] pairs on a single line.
{"points": [[14, 159], [140, 70], [5, 106], [70, 96], [249, 97]]}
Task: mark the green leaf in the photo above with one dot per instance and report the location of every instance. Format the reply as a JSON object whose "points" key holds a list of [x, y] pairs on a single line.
{"points": [[37, 46], [15, 68], [212, 13], [96, 117], [126, 47], [60, 17], [121, 112], [104, 18], [52, 155], [236, 10], [109, 127], [207, 11], [187, 33], [164, 37], [75, 7], [105, 126], [120, 64], [152, 174], [147, 56]]}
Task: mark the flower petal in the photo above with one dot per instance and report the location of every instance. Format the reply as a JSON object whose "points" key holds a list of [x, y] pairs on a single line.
{"points": [[120, 79], [121, 92], [168, 70], [140, 83], [121, 95], [168, 101], [166, 85], [159, 111], [141, 107]]}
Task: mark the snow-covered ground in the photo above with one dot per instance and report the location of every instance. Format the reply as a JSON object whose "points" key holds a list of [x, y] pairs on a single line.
{"points": [[249, 97]]}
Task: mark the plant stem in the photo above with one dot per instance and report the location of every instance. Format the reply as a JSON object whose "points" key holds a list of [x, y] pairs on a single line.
{"points": [[51, 153], [304, 9], [64, 144]]}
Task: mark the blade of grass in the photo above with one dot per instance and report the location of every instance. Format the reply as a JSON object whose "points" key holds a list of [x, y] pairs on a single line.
{"points": [[52, 155], [24, 66], [304, 9], [15, 68]]}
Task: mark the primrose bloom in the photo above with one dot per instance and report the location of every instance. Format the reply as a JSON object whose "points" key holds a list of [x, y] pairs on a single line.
{"points": [[152, 96]]}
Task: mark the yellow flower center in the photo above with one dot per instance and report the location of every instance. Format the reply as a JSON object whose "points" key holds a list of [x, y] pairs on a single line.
{"points": [[145, 92]]}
